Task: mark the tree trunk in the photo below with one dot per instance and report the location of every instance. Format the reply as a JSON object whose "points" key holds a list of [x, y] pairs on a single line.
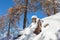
{"points": [[55, 10], [54, 7], [25, 15], [24, 23], [8, 33], [48, 11]]}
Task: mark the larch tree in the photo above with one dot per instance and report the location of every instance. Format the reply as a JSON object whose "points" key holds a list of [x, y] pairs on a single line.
{"points": [[49, 6], [2, 25], [27, 6], [13, 17], [25, 13], [55, 10], [10, 21]]}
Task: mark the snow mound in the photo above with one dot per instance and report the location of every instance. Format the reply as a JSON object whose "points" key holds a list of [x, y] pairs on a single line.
{"points": [[51, 32]]}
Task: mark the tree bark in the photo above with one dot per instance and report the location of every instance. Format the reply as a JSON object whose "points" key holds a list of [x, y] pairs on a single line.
{"points": [[25, 15], [8, 33], [54, 7]]}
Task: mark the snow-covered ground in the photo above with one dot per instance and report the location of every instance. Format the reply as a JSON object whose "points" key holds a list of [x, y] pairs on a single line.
{"points": [[51, 32]]}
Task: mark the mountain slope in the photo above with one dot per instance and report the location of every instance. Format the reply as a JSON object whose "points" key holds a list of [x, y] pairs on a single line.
{"points": [[51, 32]]}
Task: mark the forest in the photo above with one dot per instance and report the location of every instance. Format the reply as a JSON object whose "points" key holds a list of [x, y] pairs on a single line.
{"points": [[10, 23]]}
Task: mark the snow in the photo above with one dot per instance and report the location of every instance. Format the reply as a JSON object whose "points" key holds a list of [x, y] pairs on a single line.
{"points": [[5, 37], [27, 32], [34, 16], [50, 32]]}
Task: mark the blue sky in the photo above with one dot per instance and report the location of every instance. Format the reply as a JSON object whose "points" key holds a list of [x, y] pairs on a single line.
{"points": [[6, 4]]}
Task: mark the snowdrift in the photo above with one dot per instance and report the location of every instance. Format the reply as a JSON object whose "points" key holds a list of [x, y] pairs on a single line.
{"points": [[51, 32]]}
